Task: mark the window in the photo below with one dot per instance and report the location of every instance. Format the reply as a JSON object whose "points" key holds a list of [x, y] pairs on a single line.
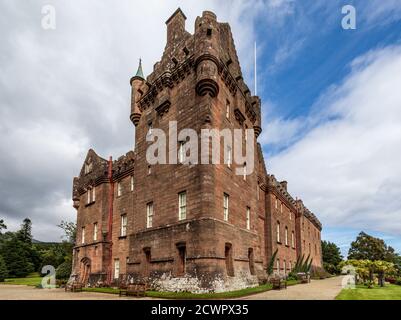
{"points": [[149, 215], [292, 239], [209, 32], [246, 133], [150, 128], [225, 206], [88, 198], [285, 267], [229, 259], [309, 248], [95, 231], [181, 152], [119, 189], [276, 203], [83, 235], [182, 205], [281, 207], [278, 231], [286, 236], [248, 218], [132, 183], [149, 169], [93, 194], [229, 156], [123, 231], [228, 109], [244, 170], [290, 215], [278, 265], [251, 259], [116, 268]]}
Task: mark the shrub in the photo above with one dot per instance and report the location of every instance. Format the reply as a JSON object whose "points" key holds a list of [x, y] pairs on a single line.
{"points": [[292, 276], [63, 271], [398, 281]]}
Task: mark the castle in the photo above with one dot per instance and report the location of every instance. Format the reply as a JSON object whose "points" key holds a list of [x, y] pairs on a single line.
{"points": [[184, 226]]}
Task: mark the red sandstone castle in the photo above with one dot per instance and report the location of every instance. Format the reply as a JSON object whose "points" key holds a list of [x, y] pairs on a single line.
{"points": [[188, 227]]}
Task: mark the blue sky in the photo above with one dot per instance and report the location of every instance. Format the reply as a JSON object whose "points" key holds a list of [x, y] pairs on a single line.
{"points": [[303, 53], [331, 101]]}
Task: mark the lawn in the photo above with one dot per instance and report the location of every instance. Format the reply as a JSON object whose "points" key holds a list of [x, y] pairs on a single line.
{"points": [[32, 279], [388, 292], [187, 295]]}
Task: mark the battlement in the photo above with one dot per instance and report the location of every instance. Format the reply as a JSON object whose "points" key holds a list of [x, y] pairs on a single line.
{"points": [[209, 55]]}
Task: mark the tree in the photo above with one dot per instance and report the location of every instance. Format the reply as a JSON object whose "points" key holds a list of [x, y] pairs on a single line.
{"points": [[366, 247], [382, 268], [2, 225], [70, 230], [3, 270], [331, 257], [25, 233], [16, 257]]}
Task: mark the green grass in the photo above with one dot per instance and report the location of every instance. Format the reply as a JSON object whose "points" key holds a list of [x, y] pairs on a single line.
{"points": [[388, 292], [32, 279], [187, 295]]}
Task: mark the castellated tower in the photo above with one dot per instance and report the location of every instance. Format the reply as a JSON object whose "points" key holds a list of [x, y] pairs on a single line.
{"points": [[183, 226]]}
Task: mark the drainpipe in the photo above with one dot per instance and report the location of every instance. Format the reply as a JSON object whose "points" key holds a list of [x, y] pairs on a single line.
{"points": [[110, 221]]}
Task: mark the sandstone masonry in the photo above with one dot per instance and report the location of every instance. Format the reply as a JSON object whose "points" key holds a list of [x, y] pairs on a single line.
{"points": [[180, 227]]}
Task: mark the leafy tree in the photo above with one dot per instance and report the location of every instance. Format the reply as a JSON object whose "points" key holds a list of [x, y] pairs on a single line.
{"points": [[70, 230], [331, 253], [366, 247], [3, 270], [382, 268]]}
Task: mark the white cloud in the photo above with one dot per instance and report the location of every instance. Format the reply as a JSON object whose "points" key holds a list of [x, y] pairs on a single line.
{"points": [[347, 169], [66, 90]]}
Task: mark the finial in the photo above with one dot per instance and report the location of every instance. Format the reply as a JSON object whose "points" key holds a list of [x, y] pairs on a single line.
{"points": [[139, 72]]}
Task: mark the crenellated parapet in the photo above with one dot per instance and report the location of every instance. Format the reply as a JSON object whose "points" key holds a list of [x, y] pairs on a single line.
{"points": [[209, 54], [308, 214]]}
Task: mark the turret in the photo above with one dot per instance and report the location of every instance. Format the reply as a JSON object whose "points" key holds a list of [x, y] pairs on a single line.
{"points": [[206, 61], [136, 84]]}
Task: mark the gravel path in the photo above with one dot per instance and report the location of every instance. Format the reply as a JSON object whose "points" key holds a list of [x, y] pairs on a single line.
{"points": [[326, 289], [20, 292]]}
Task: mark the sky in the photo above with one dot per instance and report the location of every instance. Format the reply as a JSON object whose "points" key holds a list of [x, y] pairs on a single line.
{"points": [[331, 101]]}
